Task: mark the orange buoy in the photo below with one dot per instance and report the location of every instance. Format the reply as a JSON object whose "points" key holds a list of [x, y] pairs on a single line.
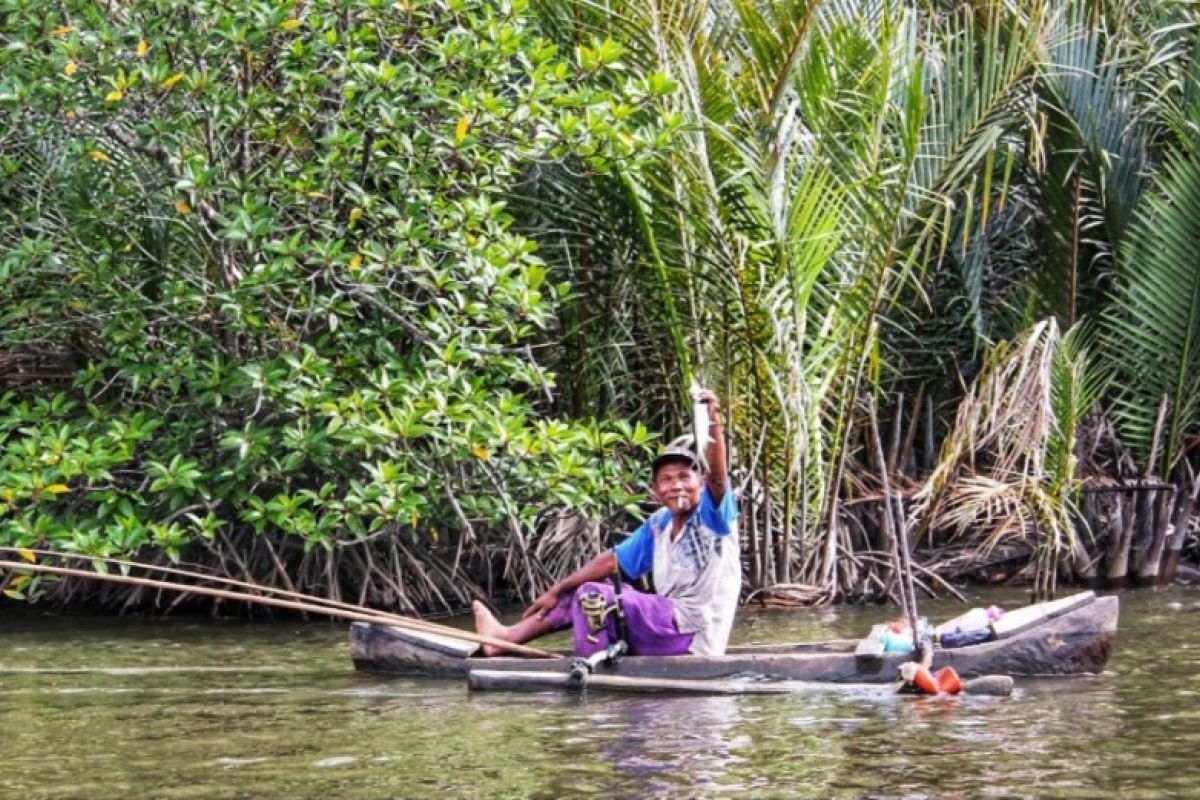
{"points": [[919, 677], [947, 680]]}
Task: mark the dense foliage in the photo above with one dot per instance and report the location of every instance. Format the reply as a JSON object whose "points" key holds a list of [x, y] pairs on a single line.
{"points": [[870, 201], [273, 238], [314, 269]]}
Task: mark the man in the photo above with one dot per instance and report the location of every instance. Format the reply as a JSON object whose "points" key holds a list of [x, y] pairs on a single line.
{"points": [[690, 546]]}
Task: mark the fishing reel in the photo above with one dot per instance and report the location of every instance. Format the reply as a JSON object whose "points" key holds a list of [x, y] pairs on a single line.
{"points": [[582, 667], [595, 609]]}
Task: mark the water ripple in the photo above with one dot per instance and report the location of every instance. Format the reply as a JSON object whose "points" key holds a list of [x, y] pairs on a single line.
{"points": [[108, 711]]}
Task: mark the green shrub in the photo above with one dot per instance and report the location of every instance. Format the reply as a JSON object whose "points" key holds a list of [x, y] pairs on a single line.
{"points": [[274, 237]]}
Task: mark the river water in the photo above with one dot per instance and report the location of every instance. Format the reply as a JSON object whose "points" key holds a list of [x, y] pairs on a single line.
{"points": [[199, 708]]}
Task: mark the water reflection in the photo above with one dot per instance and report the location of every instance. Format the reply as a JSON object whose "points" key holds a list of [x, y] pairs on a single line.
{"points": [[659, 745], [982, 746], [181, 709]]}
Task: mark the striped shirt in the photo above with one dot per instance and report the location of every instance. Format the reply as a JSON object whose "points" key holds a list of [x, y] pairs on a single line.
{"points": [[700, 571]]}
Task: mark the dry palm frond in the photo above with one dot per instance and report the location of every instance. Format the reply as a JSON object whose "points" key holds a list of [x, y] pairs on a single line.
{"points": [[1006, 472]]}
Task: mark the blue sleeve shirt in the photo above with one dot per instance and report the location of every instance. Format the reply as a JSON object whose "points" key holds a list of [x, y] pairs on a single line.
{"points": [[635, 555]]}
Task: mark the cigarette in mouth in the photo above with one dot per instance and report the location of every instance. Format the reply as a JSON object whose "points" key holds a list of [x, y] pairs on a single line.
{"points": [[680, 504]]}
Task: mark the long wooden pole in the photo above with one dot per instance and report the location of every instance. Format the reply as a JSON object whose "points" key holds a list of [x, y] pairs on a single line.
{"points": [[226, 581], [392, 619], [895, 523], [338, 613], [483, 680]]}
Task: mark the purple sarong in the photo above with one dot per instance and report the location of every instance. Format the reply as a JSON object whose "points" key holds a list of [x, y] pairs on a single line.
{"points": [[649, 617]]}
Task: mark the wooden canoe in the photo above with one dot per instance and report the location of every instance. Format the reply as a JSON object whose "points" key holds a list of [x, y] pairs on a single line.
{"points": [[1072, 636]]}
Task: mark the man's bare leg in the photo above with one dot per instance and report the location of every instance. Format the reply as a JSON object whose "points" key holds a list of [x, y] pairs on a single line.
{"points": [[519, 632]]}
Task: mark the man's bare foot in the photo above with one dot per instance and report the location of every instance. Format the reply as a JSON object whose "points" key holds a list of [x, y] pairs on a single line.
{"points": [[486, 624]]}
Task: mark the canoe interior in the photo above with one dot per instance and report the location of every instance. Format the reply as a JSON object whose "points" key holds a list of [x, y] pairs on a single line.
{"points": [[1076, 638]]}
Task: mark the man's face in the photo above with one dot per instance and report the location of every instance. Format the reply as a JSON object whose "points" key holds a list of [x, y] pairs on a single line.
{"points": [[677, 485]]}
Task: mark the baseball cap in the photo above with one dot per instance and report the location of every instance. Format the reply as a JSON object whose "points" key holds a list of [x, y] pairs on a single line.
{"points": [[674, 453]]}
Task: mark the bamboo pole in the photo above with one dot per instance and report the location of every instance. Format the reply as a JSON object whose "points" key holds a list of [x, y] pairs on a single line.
{"points": [[376, 618], [393, 619], [894, 523], [226, 581]]}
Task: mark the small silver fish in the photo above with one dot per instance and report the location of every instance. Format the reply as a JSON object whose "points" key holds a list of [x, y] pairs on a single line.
{"points": [[700, 422]]}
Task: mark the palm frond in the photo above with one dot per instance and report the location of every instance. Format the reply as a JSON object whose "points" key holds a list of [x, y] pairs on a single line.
{"points": [[1153, 330], [996, 479]]}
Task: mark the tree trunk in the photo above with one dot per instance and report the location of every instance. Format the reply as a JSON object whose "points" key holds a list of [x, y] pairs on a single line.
{"points": [[1081, 562], [1163, 502], [1186, 501], [1143, 530], [928, 452], [1120, 533], [784, 559], [907, 460], [756, 565]]}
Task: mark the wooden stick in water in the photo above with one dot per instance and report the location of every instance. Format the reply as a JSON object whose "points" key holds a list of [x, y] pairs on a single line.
{"points": [[485, 680], [372, 617]]}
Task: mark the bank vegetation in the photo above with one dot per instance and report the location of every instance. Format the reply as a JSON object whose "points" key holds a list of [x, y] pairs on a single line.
{"points": [[392, 301]]}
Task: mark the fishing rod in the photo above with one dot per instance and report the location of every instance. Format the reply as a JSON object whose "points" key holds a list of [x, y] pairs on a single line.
{"points": [[618, 606], [361, 615], [621, 646], [593, 603]]}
